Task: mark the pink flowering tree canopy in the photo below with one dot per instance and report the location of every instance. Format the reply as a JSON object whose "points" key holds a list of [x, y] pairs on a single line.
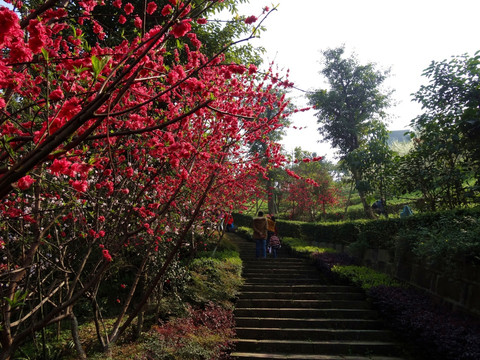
{"points": [[113, 151]]}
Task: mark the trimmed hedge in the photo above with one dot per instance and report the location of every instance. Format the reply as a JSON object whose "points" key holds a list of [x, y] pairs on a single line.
{"points": [[379, 233]]}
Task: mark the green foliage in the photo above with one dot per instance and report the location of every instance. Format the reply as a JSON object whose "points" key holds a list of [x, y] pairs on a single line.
{"points": [[350, 114], [435, 237], [17, 300], [242, 220], [446, 241], [215, 279], [245, 232], [446, 156], [304, 247], [364, 277]]}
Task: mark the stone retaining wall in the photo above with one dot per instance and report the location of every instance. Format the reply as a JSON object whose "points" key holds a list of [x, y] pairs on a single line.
{"points": [[460, 290]]}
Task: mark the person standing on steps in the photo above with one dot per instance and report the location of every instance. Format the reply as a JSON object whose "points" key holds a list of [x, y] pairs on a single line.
{"points": [[273, 239], [270, 231], [260, 235]]}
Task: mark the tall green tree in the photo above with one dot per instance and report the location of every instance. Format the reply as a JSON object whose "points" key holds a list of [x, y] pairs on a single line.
{"points": [[447, 133], [348, 110]]}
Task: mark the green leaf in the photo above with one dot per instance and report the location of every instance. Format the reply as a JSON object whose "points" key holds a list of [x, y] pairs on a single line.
{"points": [[99, 64], [95, 65], [45, 54]]}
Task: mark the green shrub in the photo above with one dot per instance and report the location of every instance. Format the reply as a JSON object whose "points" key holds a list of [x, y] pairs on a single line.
{"points": [[364, 277], [215, 279], [446, 241], [304, 247]]}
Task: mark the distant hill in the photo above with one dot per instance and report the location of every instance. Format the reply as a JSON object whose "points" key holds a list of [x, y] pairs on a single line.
{"points": [[398, 135]]}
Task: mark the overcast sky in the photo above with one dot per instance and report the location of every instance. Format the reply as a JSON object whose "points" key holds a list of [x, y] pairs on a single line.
{"points": [[402, 35]]}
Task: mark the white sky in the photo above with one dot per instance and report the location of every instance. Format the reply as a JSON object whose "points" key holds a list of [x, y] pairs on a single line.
{"points": [[402, 35]]}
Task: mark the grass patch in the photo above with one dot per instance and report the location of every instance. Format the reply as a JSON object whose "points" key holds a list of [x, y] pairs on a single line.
{"points": [[364, 277], [304, 247]]}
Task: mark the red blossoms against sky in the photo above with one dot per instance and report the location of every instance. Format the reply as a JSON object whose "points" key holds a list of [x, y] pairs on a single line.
{"points": [[250, 20]]}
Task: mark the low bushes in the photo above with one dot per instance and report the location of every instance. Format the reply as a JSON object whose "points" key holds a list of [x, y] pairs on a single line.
{"points": [[215, 279], [202, 334], [191, 318], [206, 329]]}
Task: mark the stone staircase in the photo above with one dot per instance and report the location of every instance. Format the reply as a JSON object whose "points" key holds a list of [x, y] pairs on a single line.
{"points": [[286, 310]]}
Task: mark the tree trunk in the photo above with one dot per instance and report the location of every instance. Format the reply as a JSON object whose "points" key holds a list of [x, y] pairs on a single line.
{"points": [[271, 197], [348, 200], [357, 176], [76, 338], [366, 207]]}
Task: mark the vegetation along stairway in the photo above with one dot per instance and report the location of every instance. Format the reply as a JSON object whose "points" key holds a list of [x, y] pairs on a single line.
{"points": [[286, 310]]}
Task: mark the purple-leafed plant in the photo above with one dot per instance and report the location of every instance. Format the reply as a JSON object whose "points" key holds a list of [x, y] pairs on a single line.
{"points": [[439, 332]]}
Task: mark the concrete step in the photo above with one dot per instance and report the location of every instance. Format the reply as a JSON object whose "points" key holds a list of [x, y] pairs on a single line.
{"points": [[302, 304], [254, 356], [300, 288], [306, 313], [265, 266], [309, 323], [301, 295], [334, 347], [280, 271], [263, 333], [278, 261], [283, 280]]}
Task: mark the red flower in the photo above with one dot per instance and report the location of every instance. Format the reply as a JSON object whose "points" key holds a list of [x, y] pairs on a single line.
{"points": [[56, 94], [201, 21], [8, 23], [106, 255], [25, 182], [122, 19], [167, 9], [38, 35], [180, 29], [151, 7], [60, 166], [80, 185], [250, 20], [117, 4], [137, 22], [129, 8]]}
